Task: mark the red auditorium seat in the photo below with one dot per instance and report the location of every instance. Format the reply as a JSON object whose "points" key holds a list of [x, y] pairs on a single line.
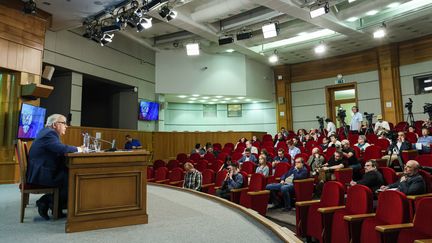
{"points": [[195, 157], [424, 159], [382, 143], [344, 175], [329, 153], [161, 174], [401, 126], [182, 157], [310, 145], [257, 144], [280, 169], [303, 189], [220, 177], [172, 164], [176, 177], [392, 209], [308, 219], [359, 201], [201, 165], [389, 175], [371, 138], [208, 179], [305, 157], [229, 145], [268, 143], [248, 167], [411, 137], [236, 156], [150, 174], [227, 150], [209, 157], [267, 137], [222, 156], [420, 228], [158, 163], [216, 165], [269, 165], [409, 155], [413, 199], [372, 152], [254, 196], [217, 146]]}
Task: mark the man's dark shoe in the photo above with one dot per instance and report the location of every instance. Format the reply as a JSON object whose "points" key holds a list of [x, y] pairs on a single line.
{"points": [[42, 209], [275, 206], [286, 209]]}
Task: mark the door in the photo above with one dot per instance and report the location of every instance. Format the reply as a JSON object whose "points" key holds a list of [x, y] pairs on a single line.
{"points": [[341, 96]]}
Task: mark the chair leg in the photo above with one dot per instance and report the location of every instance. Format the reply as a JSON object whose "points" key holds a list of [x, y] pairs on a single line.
{"points": [[23, 206], [56, 203], [26, 199]]}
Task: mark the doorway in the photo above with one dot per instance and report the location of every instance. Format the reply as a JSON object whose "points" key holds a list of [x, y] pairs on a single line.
{"points": [[341, 96]]}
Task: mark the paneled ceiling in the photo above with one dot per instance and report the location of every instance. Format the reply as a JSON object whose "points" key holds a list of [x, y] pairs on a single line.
{"points": [[348, 26]]}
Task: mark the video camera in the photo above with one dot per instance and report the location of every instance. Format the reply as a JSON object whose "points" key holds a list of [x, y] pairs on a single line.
{"points": [[409, 104], [369, 116], [341, 114], [320, 121], [392, 136], [427, 108]]}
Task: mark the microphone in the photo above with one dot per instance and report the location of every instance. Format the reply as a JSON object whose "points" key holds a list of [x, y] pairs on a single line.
{"points": [[113, 147]]}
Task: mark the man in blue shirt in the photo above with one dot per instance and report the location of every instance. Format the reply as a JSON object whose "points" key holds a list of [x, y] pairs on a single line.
{"points": [[292, 150], [356, 120], [132, 143], [248, 156], [425, 140], [233, 180], [286, 186]]}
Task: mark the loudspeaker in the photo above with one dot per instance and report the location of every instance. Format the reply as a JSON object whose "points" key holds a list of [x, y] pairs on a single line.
{"points": [[48, 72], [281, 100]]}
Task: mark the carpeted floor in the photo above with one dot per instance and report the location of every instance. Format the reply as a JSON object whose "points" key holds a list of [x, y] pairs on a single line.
{"points": [[174, 216]]}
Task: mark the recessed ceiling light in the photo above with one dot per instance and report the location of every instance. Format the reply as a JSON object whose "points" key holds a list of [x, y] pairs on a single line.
{"points": [[195, 95], [380, 32], [190, 101], [203, 101], [393, 5], [182, 96], [248, 100], [214, 99], [302, 33], [211, 103], [192, 49], [227, 98], [352, 19], [230, 50], [193, 98], [372, 12], [321, 48], [255, 102], [223, 102], [350, 1], [427, 81], [240, 98], [205, 97], [219, 96], [273, 58], [235, 101]]}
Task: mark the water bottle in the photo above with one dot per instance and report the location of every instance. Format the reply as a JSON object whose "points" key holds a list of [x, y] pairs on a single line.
{"points": [[86, 142]]}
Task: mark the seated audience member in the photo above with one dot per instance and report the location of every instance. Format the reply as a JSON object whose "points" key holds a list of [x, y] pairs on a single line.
{"points": [[372, 177], [350, 155], [192, 178], [255, 139], [411, 183], [132, 143], [401, 145], [210, 150], [198, 150], [325, 143], [292, 150], [284, 132], [381, 125], [286, 186], [427, 123], [361, 143], [334, 142], [262, 167], [314, 134], [425, 140], [301, 135], [335, 162], [331, 127], [296, 142], [241, 140], [248, 156], [226, 163], [252, 148], [280, 158], [267, 155], [233, 180], [279, 139], [46, 164], [413, 130], [315, 161]]}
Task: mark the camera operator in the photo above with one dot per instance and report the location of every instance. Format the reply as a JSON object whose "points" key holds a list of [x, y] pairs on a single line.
{"points": [[331, 127], [397, 145], [356, 120], [381, 125]]}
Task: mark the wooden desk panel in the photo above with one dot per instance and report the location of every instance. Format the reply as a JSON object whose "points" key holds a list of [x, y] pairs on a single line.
{"points": [[106, 190]]}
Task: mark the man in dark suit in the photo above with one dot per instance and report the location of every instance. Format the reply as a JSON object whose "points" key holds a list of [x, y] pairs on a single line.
{"points": [[46, 165], [411, 183], [372, 177]]}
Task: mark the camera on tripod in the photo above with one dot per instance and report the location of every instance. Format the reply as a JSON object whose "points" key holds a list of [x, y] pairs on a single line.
{"points": [[392, 136], [427, 108], [341, 114], [320, 121], [409, 105], [369, 116]]}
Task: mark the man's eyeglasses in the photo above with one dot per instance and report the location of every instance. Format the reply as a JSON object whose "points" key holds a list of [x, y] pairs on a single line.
{"points": [[368, 165], [62, 122]]}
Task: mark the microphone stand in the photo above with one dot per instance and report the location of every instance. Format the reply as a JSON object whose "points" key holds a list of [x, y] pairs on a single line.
{"points": [[112, 149]]}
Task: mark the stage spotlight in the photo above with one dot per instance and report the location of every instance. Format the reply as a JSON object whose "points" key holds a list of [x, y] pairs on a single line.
{"points": [[244, 35], [29, 7], [223, 40], [164, 11], [321, 48], [110, 28], [274, 57], [380, 32], [172, 15], [319, 10], [192, 49], [270, 30], [144, 23]]}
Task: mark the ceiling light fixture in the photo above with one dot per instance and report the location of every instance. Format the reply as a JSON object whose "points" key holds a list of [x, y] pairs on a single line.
{"points": [[226, 39], [192, 49], [372, 12], [195, 95], [219, 96], [270, 30], [144, 23], [319, 10], [380, 32], [167, 13], [29, 7], [182, 96], [274, 57], [193, 98], [350, 1], [321, 48], [244, 34], [393, 5], [230, 50], [352, 19]]}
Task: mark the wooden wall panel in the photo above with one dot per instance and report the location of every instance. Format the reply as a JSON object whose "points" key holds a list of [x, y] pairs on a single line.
{"points": [[283, 89], [358, 62], [414, 51]]}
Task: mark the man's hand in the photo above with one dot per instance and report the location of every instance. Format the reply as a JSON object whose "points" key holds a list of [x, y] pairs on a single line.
{"points": [[282, 182], [317, 155], [383, 188], [353, 183], [403, 178], [325, 168]]}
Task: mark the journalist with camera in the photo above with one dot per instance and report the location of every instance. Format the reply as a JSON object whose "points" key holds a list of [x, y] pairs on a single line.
{"points": [[397, 145], [356, 120], [331, 127]]}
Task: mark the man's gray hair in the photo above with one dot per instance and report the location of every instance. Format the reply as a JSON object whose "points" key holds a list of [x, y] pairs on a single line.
{"points": [[53, 119]]}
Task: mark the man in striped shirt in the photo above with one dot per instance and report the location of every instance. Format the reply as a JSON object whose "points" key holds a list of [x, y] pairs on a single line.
{"points": [[193, 178]]}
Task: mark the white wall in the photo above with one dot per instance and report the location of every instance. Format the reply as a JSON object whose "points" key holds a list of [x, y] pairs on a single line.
{"points": [[123, 61], [309, 99], [259, 80], [407, 73], [189, 117]]}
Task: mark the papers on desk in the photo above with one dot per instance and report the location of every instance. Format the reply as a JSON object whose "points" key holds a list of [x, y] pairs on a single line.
{"points": [[418, 146]]}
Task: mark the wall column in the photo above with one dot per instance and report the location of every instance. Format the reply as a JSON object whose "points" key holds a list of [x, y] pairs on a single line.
{"points": [[284, 116], [390, 85]]}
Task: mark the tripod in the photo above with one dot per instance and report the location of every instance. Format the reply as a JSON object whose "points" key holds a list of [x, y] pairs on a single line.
{"points": [[410, 118], [344, 126], [394, 148], [369, 128]]}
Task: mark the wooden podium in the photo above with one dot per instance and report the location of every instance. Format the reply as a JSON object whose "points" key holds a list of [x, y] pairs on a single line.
{"points": [[106, 189]]}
